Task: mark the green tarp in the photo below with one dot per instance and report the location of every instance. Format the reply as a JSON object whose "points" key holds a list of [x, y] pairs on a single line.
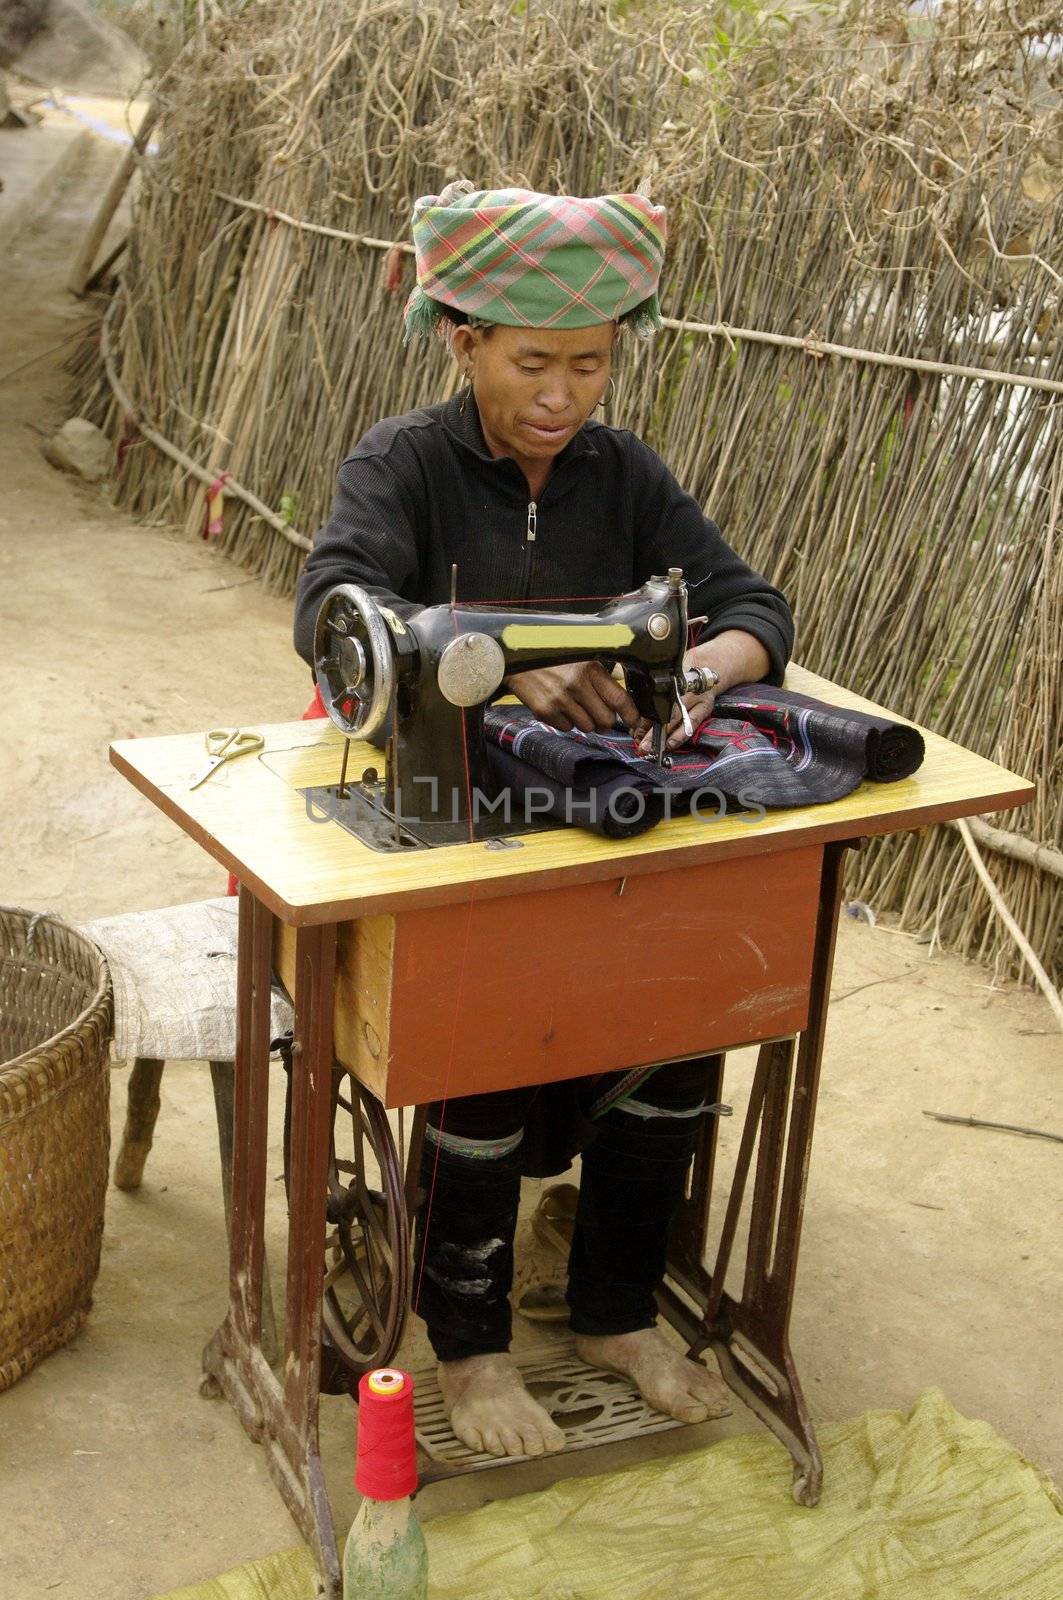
{"points": [[928, 1506]]}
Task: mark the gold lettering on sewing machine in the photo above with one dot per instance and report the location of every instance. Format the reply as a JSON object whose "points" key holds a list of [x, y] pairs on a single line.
{"points": [[566, 635]]}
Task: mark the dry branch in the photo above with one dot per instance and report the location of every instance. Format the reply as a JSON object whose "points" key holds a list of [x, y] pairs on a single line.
{"points": [[718, 330], [997, 900], [1017, 846]]}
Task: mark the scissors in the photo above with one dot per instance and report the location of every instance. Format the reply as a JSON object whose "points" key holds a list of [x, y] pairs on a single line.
{"points": [[225, 744]]}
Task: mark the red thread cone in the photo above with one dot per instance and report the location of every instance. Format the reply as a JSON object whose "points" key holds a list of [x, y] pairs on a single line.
{"points": [[386, 1467]]}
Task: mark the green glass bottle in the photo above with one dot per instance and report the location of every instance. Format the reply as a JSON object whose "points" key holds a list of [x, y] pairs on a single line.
{"points": [[385, 1557]]}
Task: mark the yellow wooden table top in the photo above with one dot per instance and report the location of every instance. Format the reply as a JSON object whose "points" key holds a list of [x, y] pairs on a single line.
{"points": [[250, 816]]}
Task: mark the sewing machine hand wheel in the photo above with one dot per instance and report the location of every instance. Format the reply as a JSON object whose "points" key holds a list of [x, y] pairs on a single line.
{"points": [[354, 662]]}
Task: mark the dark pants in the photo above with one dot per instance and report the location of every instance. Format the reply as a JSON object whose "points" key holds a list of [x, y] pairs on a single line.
{"points": [[635, 1166]]}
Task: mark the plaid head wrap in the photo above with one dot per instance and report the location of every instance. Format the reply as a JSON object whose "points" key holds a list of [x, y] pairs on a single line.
{"points": [[536, 260]]}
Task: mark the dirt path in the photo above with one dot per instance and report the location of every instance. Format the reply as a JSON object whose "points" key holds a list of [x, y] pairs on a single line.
{"points": [[931, 1254]]}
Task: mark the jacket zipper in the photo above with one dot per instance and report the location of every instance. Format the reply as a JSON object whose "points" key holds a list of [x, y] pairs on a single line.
{"points": [[529, 540]]}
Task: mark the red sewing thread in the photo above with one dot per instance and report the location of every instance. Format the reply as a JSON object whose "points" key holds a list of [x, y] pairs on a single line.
{"points": [[212, 523], [394, 265], [130, 430], [531, 600], [386, 1467]]}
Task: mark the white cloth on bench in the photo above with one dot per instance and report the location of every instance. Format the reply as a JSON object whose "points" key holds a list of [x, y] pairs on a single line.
{"points": [[174, 977]]}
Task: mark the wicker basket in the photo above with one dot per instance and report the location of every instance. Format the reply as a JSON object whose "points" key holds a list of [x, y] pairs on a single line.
{"points": [[55, 1023]]}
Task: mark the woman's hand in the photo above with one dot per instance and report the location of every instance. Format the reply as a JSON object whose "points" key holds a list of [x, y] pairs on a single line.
{"points": [[577, 695], [736, 656], [699, 706]]}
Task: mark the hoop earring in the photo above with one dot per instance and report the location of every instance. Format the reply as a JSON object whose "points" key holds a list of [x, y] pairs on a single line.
{"points": [[609, 395]]}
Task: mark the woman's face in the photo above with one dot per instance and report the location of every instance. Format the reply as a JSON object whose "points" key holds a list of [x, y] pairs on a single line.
{"points": [[535, 388]]}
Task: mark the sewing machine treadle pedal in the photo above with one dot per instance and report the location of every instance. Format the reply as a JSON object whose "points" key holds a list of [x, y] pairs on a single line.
{"points": [[589, 1406]]}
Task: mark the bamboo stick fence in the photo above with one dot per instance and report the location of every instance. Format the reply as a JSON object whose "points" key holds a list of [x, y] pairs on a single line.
{"points": [[860, 376]]}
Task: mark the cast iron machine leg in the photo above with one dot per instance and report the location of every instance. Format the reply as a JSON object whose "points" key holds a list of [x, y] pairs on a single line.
{"points": [[750, 1335], [281, 1414], [221, 1077]]}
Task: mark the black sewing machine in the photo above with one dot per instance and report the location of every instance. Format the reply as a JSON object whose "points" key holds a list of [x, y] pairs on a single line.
{"points": [[436, 671]]}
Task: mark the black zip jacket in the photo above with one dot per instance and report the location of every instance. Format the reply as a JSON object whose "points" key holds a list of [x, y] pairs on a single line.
{"points": [[422, 491]]}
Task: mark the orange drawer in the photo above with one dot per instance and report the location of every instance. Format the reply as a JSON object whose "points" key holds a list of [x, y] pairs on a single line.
{"points": [[559, 983]]}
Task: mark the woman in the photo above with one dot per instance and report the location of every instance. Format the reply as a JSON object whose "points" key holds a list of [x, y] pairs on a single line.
{"points": [[534, 502]]}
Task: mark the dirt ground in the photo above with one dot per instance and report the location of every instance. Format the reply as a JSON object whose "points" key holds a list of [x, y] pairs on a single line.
{"points": [[931, 1253]]}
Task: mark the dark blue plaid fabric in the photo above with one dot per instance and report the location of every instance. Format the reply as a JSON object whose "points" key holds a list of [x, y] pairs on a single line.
{"points": [[763, 747]]}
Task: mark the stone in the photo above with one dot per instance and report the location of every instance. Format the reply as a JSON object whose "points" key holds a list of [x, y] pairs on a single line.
{"points": [[80, 447], [69, 47], [19, 21]]}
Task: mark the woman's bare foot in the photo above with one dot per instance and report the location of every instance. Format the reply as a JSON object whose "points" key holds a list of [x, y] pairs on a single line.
{"points": [[490, 1409], [666, 1379]]}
